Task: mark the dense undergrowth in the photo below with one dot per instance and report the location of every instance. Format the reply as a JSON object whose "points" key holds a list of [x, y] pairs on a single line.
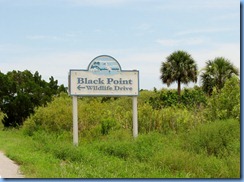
{"points": [[98, 116], [208, 151], [200, 139]]}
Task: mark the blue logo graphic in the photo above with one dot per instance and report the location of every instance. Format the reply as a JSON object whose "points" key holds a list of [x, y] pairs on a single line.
{"points": [[104, 65]]}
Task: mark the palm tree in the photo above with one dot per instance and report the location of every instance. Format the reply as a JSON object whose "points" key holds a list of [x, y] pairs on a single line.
{"points": [[179, 67], [216, 73]]}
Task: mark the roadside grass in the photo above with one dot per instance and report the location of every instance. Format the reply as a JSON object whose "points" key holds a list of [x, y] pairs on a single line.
{"points": [[208, 151], [20, 148]]}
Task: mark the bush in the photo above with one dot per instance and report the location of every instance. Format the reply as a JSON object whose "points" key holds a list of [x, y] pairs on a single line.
{"points": [[164, 98], [169, 119], [55, 117], [106, 125], [2, 115], [95, 118], [193, 97], [169, 98], [225, 104]]}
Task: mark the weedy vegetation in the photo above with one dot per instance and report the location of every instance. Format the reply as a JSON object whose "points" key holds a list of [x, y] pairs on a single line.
{"points": [[198, 137]]}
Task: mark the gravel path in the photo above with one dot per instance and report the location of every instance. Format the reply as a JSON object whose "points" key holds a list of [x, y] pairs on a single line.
{"points": [[8, 169]]}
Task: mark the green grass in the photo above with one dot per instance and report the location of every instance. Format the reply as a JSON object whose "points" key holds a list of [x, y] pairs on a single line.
{"points": [[209, 151]]}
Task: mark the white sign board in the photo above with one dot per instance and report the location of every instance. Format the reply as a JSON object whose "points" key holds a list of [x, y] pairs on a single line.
{"points": [[103, 77]]}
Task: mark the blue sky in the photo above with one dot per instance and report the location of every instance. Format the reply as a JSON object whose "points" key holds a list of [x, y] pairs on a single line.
{"points": [[53, 36]]}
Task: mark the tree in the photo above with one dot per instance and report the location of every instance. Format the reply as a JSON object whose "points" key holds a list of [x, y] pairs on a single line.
{"points": [[21, 92], [179, 67], [216, 73]]}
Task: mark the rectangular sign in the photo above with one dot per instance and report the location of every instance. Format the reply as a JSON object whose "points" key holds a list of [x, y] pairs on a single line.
{"points": [[89, 83]]}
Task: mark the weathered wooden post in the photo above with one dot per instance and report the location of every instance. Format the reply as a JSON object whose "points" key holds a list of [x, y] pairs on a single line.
{"points": [[135, 119], [104, 77], [75, 120]]}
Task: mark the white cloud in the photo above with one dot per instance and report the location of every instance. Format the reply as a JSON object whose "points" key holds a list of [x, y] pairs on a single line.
{"points": [[97, 2], [182, 42], [143, 26], [229, 16], [205, 30], [64, 37], [42, 37], [197, 5], [13, 49], [168, 42], [68, 36]]}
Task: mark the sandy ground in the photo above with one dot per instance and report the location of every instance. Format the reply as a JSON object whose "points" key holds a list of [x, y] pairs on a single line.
{"points": [[8, 169]]}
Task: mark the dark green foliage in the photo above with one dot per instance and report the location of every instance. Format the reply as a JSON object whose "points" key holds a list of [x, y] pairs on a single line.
{"points": [[21, 92], [168, 98], [190, 98], [193, 97], [164, 98]]}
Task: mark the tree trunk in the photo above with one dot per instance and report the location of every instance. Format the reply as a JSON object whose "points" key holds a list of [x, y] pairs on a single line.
{"points": [[179, 91]]}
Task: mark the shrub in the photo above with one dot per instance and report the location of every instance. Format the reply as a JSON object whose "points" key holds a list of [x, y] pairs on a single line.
{"points": [[55, 117], [168, 98], [163, 98], [193, 97], [2, 115], [225, 104], [165, 120], [95, 118], [106, 125]]}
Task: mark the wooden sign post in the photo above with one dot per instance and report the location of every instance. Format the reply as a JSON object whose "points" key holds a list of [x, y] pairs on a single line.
{"points": [[104, 77]]}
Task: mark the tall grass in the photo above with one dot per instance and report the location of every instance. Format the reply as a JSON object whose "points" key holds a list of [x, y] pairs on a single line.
{"points": [[118, 155]]}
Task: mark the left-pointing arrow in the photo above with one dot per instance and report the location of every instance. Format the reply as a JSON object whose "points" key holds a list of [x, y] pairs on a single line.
{"points": [[80, 87]]}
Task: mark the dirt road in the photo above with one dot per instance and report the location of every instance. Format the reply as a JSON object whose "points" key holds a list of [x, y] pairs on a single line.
{"points": [[8, 169]]}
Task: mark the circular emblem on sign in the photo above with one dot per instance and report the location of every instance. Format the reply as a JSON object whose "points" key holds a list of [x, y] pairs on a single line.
{"points": [[104, 65]]}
